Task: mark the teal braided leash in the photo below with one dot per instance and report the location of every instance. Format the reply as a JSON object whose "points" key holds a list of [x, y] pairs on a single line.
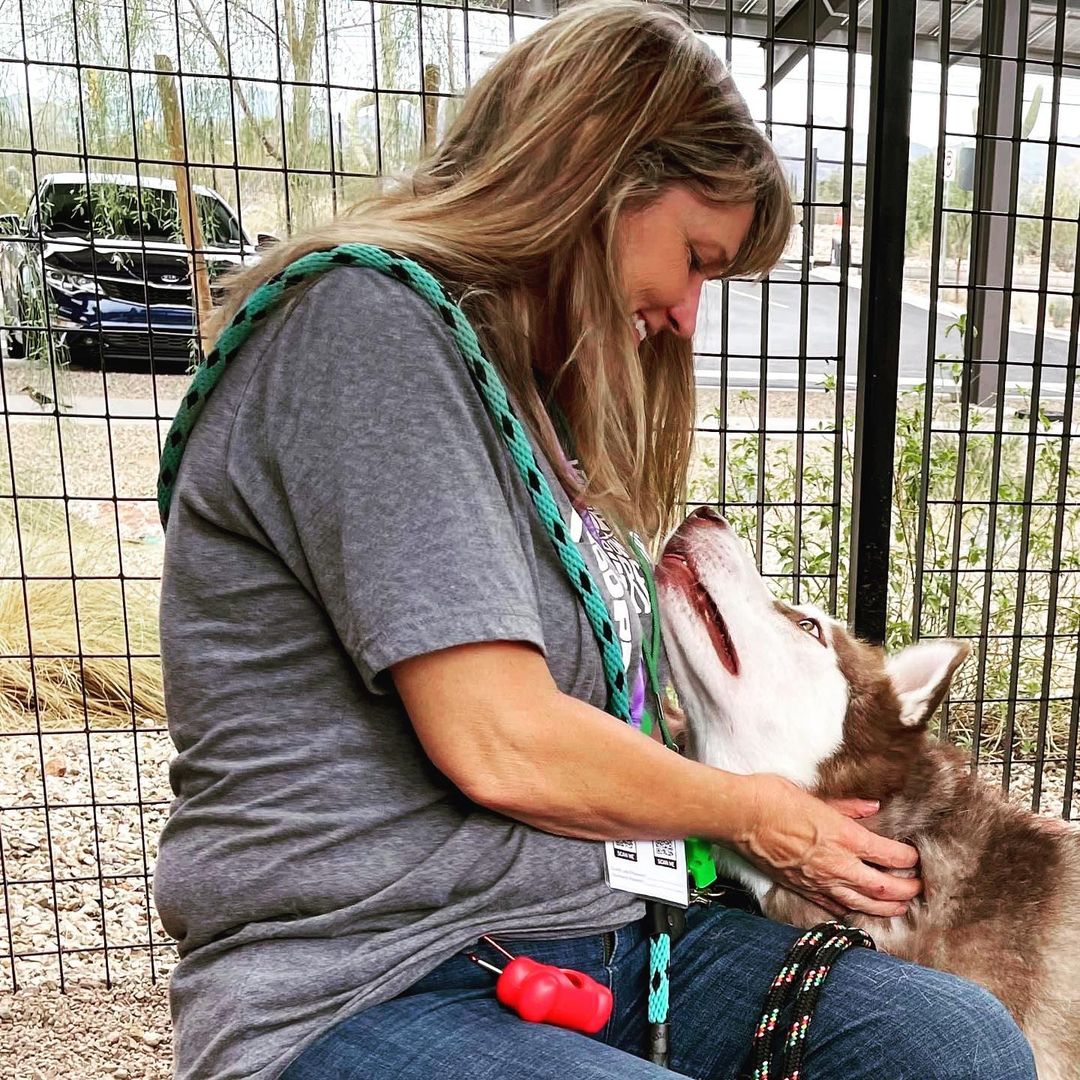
{"points": [[265, 300], [659, 960]]}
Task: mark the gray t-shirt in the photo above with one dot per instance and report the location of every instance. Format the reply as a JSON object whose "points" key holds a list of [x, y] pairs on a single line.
{"points": [[345, 503]]}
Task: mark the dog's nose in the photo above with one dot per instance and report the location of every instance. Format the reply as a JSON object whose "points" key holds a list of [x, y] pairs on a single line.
{"points": [[708, 513]]}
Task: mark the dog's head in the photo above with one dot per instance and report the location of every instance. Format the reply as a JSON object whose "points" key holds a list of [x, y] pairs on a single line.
{"points": [[768, 687]]}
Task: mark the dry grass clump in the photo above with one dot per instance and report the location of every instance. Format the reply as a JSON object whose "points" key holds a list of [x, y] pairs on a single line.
{"points": [[93, 640]]}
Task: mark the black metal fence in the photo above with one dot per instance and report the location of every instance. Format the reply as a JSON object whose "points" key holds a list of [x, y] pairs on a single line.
{"points": [[893, 407]]}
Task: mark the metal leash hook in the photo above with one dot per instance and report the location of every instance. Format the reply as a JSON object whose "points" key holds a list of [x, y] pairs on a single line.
{"points": [[545, 994]]}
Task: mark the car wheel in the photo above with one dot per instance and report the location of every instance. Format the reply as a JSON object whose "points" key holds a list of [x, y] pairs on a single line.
{"points": [[85, 353]]}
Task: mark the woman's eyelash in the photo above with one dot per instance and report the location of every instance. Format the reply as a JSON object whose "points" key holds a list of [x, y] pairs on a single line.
{"points": [[695, 262]]}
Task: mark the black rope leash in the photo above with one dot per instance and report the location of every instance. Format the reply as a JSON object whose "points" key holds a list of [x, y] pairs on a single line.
{"points": [[776, 1054]]}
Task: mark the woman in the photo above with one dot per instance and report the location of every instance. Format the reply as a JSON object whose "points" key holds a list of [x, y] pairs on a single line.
{"points": [[386, 697]]}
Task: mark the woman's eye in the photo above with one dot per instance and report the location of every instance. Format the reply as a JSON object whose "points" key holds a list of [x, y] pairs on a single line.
{"points": [[693, 260], [813, 628]]}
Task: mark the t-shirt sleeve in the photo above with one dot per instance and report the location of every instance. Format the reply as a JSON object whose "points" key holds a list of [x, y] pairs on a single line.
{"points": [[397, 484]]}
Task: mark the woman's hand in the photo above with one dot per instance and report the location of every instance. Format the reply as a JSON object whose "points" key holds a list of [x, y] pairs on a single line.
{"points": [[818, 851]]}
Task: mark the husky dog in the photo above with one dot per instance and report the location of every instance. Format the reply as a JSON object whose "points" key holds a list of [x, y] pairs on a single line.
{"points": [[768, 687]]}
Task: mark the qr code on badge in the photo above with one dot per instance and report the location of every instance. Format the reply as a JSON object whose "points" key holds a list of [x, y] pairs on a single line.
{"points": [[664, 853], [625, 849]]}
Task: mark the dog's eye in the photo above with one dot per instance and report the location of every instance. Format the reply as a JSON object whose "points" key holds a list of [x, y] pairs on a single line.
{"points": [[813, 628]]}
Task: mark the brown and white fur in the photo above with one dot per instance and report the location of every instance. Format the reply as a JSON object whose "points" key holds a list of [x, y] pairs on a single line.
{"points": [[767, 687]]}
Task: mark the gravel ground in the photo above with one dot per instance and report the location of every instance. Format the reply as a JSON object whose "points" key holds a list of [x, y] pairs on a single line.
{"points": [[87, 1034]]}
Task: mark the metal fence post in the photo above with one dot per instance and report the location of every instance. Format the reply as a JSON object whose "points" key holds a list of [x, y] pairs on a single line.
{"points": [[1001, 93], [892, 57]]}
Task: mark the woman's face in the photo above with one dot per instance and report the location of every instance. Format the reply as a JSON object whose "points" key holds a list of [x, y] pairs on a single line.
{"points": [[670, 248]]}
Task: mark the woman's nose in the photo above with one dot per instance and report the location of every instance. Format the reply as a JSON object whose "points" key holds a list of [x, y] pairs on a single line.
{"points": [[682, 319]]}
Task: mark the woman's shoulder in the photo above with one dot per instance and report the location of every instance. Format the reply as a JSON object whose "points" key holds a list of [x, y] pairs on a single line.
{"points": [[354, 339], [365, 297], [356, 322]]}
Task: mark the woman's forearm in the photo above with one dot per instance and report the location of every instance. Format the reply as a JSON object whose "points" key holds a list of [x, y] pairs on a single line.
{"points": [[491, 717], [607, 781]]}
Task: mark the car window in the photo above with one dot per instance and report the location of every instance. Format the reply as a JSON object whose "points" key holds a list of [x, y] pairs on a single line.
{"points": [[220, 228], [126, 212]]}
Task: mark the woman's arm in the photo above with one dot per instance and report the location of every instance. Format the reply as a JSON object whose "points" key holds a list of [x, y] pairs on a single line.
{"points": [[492, 720]]}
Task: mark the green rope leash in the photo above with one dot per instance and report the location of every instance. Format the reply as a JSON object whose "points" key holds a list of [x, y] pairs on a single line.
{"points": [[659, 984], [699, 860], [264, 300]]}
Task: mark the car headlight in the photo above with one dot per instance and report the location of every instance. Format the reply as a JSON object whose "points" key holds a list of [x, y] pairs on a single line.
{"points": [[70, 283]]}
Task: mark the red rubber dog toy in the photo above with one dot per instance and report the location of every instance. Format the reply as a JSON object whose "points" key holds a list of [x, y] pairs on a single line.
{"points": [[545, 994]]}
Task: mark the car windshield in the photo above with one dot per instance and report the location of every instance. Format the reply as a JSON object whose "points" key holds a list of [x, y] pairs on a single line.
{"points": [[118, 211]]}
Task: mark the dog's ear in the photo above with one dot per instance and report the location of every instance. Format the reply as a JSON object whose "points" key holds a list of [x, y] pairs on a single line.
{"points": [[920, 676]]}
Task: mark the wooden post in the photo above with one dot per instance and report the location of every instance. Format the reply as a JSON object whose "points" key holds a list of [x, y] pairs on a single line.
{"points": [[432, 80], [185, 197]]}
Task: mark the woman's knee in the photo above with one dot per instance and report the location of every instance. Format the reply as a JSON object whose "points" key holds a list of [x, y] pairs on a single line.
{"points": [[980, 1038], [901, 1020]]}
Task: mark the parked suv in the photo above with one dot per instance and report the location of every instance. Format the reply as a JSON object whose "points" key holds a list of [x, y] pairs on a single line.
{"points": [[105, 254]]}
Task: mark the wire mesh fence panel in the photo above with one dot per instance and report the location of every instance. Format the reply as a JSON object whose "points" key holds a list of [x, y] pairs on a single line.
{"points": [[773, 365], [147, 148], [986, 513]]}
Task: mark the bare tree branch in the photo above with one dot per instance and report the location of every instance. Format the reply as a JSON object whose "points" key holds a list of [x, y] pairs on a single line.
{"points": [[245, 105], [271, 30]]}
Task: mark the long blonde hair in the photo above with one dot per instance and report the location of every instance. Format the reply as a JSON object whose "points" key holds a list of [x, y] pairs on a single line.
{"points": [[596, 112]]}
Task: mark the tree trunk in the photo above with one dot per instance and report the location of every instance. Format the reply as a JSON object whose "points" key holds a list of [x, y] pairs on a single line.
{"points": [[185, 197]]}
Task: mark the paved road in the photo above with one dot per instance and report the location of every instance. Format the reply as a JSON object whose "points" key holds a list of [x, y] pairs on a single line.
{"points": [[821, 297], [785, 321]]}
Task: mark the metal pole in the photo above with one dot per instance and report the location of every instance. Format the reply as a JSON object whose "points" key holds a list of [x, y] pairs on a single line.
{"points": [[996, 132], [892, 55]]}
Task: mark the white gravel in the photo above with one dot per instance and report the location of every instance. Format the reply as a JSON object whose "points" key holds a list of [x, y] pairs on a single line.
{"points": [[99, 858], [89, 1033]]}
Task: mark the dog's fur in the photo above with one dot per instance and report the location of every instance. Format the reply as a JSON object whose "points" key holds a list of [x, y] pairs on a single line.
{"points": [[771, 688]]}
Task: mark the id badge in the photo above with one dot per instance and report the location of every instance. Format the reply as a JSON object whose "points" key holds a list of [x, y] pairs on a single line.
{"points": [[652, 869]]}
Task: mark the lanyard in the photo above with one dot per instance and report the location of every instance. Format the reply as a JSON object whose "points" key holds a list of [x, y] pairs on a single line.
{"points": [[650, 643], [699, 860], [650, 647]]}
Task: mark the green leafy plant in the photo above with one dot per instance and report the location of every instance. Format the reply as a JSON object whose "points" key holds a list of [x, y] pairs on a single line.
{"points": [[1059, 312]]}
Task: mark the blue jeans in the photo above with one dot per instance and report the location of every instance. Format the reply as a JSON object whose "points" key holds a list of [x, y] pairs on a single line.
{"points": [[878, 1018]]}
